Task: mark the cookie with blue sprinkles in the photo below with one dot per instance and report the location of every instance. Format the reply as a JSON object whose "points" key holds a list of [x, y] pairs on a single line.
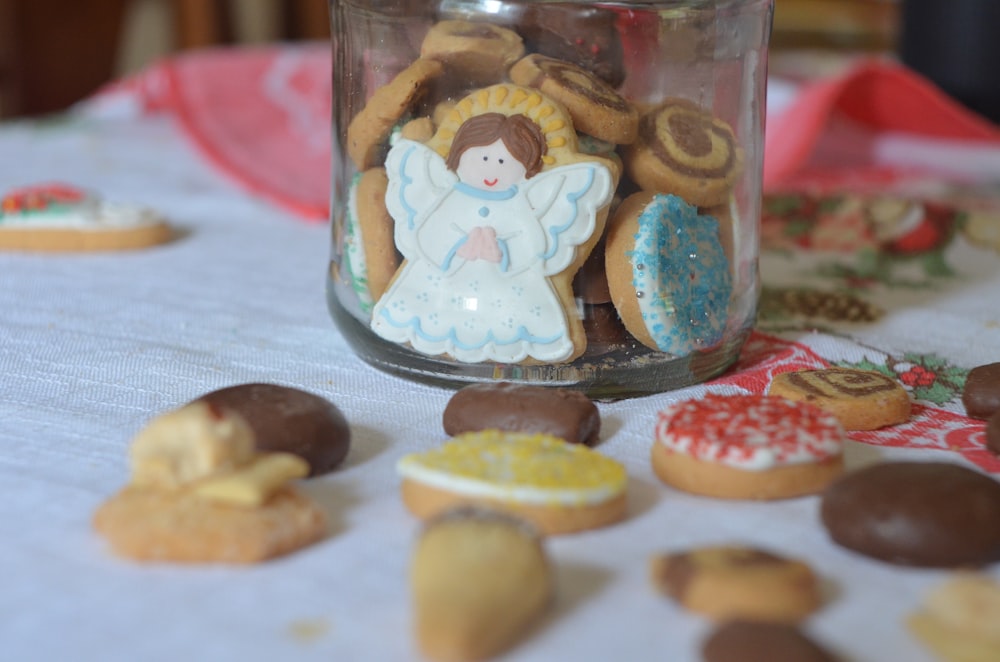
{"points": [[668, 274]]}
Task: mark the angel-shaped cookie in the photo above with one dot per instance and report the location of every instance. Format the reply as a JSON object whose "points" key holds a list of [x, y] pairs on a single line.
{"points": [[484, 233]]}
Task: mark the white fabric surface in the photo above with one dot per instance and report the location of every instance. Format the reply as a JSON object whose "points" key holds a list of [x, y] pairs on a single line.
{"points": [[93, 346]]}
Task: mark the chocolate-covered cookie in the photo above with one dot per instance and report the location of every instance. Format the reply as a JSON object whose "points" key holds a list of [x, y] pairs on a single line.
{"points": [[981, 395], [930, 514], [289, 420], [586, 37], [563, 413], [745, 641]]}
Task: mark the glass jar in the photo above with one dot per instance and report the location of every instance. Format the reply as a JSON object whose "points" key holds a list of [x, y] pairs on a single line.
{"points": [[561, 193]]}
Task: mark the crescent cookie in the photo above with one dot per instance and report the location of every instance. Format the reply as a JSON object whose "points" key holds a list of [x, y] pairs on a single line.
{"points": [[480, 580], [684, 150], [667, 273], [558, 486], [61, 218], [596, 108], [860, 399], [747, 447], [370, 128], [369, 252], [738, 582], [479, 52]]}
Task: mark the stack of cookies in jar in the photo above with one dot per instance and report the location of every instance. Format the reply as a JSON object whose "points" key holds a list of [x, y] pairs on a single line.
{"points": [[512, 202]]}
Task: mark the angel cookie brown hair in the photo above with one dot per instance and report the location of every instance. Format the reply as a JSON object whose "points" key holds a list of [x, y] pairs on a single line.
{"points": [[519, 134]]}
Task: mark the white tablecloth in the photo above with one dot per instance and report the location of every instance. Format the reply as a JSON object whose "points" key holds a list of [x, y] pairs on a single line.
{"points": [[93, 346]]}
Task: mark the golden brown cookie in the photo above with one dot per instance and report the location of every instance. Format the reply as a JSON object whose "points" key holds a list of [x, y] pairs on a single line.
{"points": [[369, 250], [596, 108], [154, 525], [62, 218], [747, 447], [960, 619], [738, 582], [559, 487], [684, 150], [480, 53], [199, 492], [480, 580], [368, 131], [859, 399]]}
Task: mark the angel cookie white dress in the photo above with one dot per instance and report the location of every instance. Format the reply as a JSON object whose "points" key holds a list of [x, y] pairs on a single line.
{"points": [[475, 280]]}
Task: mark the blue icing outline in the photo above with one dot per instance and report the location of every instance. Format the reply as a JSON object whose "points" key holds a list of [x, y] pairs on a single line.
{"points": [[522, 334], [674, 242]]}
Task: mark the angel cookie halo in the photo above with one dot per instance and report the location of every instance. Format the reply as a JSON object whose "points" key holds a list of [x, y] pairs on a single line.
{"points": [[493, 216]]}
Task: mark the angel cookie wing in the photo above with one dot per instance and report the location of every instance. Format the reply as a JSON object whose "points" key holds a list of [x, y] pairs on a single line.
{"points": [[418, 179], [565, 201]]}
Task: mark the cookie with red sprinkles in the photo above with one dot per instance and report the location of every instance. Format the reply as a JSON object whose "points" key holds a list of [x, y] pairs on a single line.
{"points": [[747, 447]]}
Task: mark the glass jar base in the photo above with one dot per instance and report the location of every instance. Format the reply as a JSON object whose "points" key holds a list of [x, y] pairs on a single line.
{"points": [[608, 371]]}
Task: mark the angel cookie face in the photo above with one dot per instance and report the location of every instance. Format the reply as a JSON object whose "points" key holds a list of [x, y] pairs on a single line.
{"points": [[492, 225]]}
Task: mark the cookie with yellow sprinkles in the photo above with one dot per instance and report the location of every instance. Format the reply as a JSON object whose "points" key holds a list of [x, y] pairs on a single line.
{"points": [[560, 487]]}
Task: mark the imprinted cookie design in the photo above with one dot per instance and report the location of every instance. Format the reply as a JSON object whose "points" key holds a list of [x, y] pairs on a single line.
{"points": [[747, 447], [667, 273], [480, 579], [684, 150], [597, 110], [492, 235], [559, 487], [480, 53], [738, 582], [860, 399], [200, 493], [62, 218]]}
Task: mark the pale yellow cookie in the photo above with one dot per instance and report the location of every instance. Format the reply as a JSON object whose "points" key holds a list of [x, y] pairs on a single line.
{"points": [[960, 619], [368, 131], [559, 487], [480, 580], [859, 399]]}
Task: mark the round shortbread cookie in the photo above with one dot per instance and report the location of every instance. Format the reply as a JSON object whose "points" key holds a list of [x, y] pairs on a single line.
{"points": [[667, 273], [684, 150], [738, 582], [860, 399], [560, 487], [747, 447], [960, 619], [596, 108], [481, 53], [368, 131], [62, 218]]}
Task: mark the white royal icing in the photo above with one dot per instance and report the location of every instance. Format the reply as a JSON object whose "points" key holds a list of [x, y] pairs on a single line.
{"points": [[90, 214], [354, 250], [475, 283]]}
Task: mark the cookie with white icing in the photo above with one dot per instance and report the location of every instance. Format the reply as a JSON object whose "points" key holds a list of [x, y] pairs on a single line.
{"points": [[559, 487], [369, 256], [62, 218], [747, 447], [667, 273]]}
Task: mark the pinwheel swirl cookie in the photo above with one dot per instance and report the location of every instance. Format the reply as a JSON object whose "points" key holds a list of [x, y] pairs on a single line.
{"points": [[667, 273], [560, 487], [683, 149], [860, 399], [747, 447]]}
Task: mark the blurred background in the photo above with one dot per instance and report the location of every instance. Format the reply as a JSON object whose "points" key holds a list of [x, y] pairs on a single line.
{"points": [[55, 52]]}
